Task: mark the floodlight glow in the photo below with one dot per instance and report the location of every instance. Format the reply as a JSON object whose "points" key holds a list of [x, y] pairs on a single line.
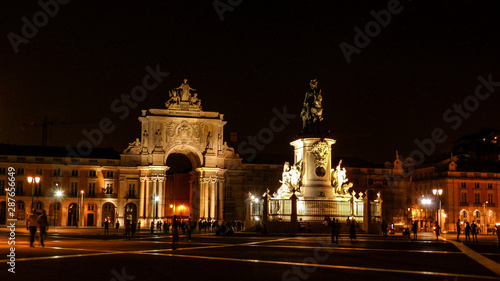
{"points": [[59, 193]]}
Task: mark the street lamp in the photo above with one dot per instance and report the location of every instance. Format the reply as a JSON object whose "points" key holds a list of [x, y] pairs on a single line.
{"points": [[438, 193], [32, 181], [58, 194], [82, 208], [182, 207], [426, 202]]}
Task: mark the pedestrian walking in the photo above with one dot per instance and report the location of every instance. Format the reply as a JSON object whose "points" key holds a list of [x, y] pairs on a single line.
{"points": [[128, 230], [190, 228], [43, 223], [139, 225], [458, 230], [414, 229], [106, 227], [175, 232], [352, 231], [334, 230], [383, 225], [152, 227], [497, 230], [467, 231], [32, 224], [133, 228], [117, 225], [473, 231], [437, 230]]}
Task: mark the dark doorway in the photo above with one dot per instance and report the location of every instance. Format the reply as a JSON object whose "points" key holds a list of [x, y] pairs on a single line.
{"points": [[90, 219], [73, 214]]}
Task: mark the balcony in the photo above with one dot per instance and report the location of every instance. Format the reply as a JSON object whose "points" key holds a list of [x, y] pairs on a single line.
{"points": [[490, 205], [464, 204], [476, 204]]}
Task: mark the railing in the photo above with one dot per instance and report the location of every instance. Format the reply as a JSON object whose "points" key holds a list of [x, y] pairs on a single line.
{"points": [[317, 210], [464, 204], [490, 205]]}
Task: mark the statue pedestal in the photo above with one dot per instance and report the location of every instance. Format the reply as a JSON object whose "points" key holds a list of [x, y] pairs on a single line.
{"points": [[315, 156]]}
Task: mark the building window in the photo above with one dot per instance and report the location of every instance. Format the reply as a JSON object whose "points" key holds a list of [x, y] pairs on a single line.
{"points": [[39, 205], [110, 174], [2, 186], [131, 190], [477, 198], [109, 188], [57, 206], [370, 181], [74, 189], [91, 192], [20, 205], [490, 198], [92, 173], [490, 185], [463, 185], [20, 171], [57, 173], [39, 172], [74, 173], [249, 177], [90, 207], [464, 197], [107, 208], [384, 182], [476, 185], [20, 188], [3, 171], [229, 192]]}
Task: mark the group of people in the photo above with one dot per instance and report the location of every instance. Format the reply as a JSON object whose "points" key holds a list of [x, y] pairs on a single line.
{"points": [[35, 222], [336, 227], [468, 230]]}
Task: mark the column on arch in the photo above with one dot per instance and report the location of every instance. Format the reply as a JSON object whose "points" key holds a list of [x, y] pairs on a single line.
{"points": [[142, 198], [221, 198], [161, 195]]}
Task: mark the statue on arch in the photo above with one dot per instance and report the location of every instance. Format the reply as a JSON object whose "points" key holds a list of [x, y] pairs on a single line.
{"points": [[184, 89], [312, 111]]}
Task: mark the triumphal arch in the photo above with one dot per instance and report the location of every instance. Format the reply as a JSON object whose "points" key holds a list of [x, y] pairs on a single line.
{"points": [[181, 130]]}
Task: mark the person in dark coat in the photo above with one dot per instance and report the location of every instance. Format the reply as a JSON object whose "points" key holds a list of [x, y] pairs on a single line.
{"points": [[334, 231], [383, 226], [458, 230], [467, 231], [352, 230], [44, 226], [414, 229]]}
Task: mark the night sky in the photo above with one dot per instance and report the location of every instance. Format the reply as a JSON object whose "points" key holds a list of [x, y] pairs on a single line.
{"points": [[260, 56]]}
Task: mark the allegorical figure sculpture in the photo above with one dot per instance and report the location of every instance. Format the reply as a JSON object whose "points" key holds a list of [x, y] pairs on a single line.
{"points": [[184, 89], [312, 111]]}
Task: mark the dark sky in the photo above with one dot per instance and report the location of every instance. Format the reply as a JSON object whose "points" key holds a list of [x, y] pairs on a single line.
{"points": [[261, 56]]}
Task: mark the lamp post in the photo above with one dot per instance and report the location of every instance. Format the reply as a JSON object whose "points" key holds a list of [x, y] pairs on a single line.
{"points": [[426, 202], [182, 207], [438, 193], [82, 208], [32, 181], [58, 194]]}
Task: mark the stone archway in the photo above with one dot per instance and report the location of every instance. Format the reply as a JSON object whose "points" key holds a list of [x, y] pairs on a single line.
{"points": [[108, 213], [72, 214], [178, 185], [131, 212]]}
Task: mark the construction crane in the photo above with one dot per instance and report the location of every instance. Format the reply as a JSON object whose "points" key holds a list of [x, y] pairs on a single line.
{"points": [[47, 124]]}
